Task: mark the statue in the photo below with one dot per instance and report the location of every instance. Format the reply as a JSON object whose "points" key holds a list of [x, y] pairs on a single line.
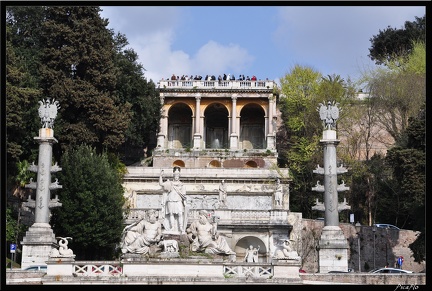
{"points": [[48, 112], [204, 237], [170, 246], [278, 194], [139, 236], [329, 114], [222, 193], [131, 201], [63, 250], [286, 252], [174, 202], [251, 254]]}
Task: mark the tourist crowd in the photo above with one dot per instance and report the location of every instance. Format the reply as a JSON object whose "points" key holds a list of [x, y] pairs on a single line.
{"points": [[223, 77]]}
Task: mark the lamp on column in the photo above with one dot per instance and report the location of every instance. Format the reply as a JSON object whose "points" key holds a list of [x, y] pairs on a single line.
{"points": [[358, 229]]}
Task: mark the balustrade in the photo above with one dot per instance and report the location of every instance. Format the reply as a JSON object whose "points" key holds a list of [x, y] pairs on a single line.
{"points": [[115, 269], [106, 269], [200, 84]]}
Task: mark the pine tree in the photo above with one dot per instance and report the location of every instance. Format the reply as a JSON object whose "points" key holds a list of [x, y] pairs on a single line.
{"points": [[21, 122], [78, 71], [133, 88], [408, 162]]}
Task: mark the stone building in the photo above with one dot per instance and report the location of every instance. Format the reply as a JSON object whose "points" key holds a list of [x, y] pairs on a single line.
{"points": [[214, 131]]}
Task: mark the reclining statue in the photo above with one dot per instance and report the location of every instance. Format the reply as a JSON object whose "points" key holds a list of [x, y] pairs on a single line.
{"points": [[204, 237]]}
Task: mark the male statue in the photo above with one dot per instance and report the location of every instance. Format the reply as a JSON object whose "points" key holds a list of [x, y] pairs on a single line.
{"points": [[174, 202]]}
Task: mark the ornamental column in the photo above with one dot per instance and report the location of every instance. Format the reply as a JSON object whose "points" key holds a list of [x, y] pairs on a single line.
{"points": [[40, 239], [332, 246]]}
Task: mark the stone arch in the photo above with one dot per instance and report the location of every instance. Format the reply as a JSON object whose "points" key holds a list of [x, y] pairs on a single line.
{"points": [[178, 163], [180, 126], [243, 243], [216, 126], [215, 164], [251, 164], [252, 126]]}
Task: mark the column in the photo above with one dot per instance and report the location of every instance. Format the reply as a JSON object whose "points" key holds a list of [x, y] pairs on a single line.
{"points": [[234, 129], [163, 127], [271, 134], [44, 180], [198, 133], [330, 183]]}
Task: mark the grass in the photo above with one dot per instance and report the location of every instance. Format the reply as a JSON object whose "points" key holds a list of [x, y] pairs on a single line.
{"points": [[15, 265]]}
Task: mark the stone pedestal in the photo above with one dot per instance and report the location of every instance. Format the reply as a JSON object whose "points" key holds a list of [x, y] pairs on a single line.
{"points": [[37, 245], [233, 141], [197, 141], [271, 142], [60, 266], [160, 140], [169, 255], [286, 268], [333, 250], [128, 257]]}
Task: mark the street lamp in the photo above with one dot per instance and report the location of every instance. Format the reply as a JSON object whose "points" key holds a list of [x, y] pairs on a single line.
{"points": [[374, 228], [358, 228]]}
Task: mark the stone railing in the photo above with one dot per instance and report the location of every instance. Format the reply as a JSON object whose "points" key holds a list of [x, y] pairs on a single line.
{"points": [[201, 84], [116, 269], [248, 270], [215, 153], [97, 269]]}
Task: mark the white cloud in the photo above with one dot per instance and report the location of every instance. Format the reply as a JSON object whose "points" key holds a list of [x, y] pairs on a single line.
{"points": [[179, 40], [214, 59]]}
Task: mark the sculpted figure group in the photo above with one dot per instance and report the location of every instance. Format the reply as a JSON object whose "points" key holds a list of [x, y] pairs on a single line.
{"points": [[63, 249], [203, 236], [140, 236], [286, 252], [251, 255]]}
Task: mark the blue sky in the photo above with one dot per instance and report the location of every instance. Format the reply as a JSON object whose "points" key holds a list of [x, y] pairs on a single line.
{"points": [[266, 41]]}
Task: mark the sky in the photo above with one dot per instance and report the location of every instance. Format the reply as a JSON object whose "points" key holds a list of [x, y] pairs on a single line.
{"points": [[265, 41]]}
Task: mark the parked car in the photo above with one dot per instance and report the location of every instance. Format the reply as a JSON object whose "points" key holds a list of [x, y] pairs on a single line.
{"points": [[385, 225], [390, 270], [349, 271], [42, 268], [302, 271]]}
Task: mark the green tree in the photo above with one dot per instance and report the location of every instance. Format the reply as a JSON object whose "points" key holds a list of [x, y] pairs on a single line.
{"points": [[391, 43], [396, 94], [78, 70], [302, 89], [25, 23], [399, 90], [11, 226], [408, 162], [133, 88], [21, 122], [92, 201], [299, 145]]}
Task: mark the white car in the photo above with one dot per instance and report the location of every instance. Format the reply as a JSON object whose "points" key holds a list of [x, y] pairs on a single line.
{"points": [[42, 268], [385, 225], [390, 271]]}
